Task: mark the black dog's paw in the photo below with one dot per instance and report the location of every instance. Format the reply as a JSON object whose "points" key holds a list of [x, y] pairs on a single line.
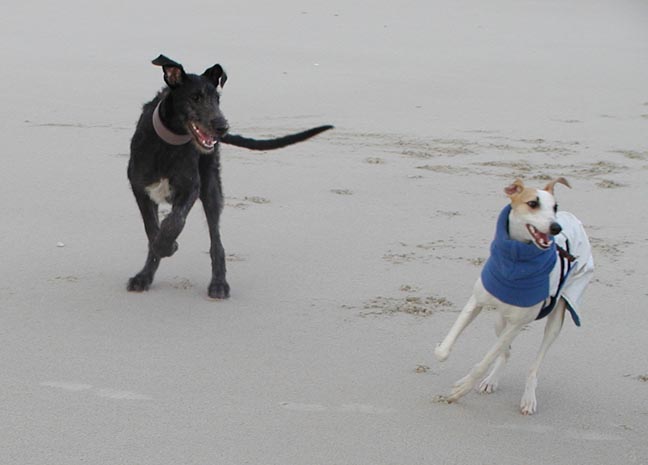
{"points": [[139, 283], [219, 290], [162, 249]]}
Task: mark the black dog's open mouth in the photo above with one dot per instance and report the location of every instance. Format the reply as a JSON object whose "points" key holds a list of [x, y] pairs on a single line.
{"points": [[202, 137], [541, 239]]}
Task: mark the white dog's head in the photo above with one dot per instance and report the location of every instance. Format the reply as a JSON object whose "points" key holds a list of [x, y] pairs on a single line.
{"points": [[533, 213]]}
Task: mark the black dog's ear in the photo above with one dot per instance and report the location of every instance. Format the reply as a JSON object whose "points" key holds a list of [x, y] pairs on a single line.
{"points": [[216, 74], [173, 72]]}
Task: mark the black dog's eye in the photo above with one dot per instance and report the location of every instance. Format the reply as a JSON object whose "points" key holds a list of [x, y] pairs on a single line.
{"points": [[533, 203], [196, 97]]}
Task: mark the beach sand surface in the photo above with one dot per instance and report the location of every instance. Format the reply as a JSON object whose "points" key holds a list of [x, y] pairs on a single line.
{"points": [[349, 256]]}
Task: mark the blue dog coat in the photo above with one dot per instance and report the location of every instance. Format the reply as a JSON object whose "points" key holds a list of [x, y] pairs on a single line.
{"points": [[524, 275], [517, 273]]}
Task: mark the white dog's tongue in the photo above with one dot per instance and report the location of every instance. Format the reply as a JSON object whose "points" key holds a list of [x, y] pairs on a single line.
{"points": [[541, 239]]}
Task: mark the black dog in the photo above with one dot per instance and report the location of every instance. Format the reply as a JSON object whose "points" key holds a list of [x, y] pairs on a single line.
{"points": [[174, 158]]}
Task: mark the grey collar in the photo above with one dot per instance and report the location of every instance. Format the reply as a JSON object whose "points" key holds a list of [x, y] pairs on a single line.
{"points": [[165, 133]]}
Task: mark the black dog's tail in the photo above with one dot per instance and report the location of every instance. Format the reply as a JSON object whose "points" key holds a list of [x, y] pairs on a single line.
{"points": [[270, 144]]}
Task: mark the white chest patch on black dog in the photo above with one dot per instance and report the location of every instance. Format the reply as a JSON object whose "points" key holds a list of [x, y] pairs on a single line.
{"points": [[160, 192]]}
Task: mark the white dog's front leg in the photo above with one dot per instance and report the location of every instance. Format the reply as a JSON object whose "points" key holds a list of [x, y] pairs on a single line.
{"points": [[529, 404], [468, 314]]}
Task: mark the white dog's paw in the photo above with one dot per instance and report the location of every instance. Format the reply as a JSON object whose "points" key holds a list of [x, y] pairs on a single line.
{"points": [[487, 386], [461, 388], [441, 353], [529, 405]]}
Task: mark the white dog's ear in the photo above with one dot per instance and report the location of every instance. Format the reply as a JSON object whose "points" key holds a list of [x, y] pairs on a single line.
{"points": [[550, 186], [515, 188]]}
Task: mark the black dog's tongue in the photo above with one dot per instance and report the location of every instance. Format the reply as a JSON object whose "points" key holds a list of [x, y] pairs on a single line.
{"points": [[205, 139], [271, 144]]}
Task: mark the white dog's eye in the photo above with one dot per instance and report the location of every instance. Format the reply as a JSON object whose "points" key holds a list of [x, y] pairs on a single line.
{"points": [[533, 203]]}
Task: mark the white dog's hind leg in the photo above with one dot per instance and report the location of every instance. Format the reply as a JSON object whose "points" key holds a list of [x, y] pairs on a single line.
{"points": [[468, 314], [489, 384], [465, 384], [529, 404]]}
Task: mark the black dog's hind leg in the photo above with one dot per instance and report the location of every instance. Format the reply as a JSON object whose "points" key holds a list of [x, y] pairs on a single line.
{"points": [[211, 196], [149, 210]]}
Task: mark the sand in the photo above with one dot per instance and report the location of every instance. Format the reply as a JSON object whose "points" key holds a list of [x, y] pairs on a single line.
{"points": [[349, 256]]}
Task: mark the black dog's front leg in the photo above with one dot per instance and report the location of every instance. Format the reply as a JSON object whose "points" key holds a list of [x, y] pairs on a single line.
{"points": [[164, 244], [162, 237], [211, 197]]}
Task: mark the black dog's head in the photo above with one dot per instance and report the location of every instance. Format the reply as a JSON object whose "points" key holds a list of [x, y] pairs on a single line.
{"points": [[195, 102]]}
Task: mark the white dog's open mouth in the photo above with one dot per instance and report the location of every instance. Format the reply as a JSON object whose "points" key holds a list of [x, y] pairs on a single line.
{"points": [[542, 240], [204, 139]]}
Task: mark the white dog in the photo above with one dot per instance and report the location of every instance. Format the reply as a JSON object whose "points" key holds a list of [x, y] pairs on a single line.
{"points": [[540, 264]]}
